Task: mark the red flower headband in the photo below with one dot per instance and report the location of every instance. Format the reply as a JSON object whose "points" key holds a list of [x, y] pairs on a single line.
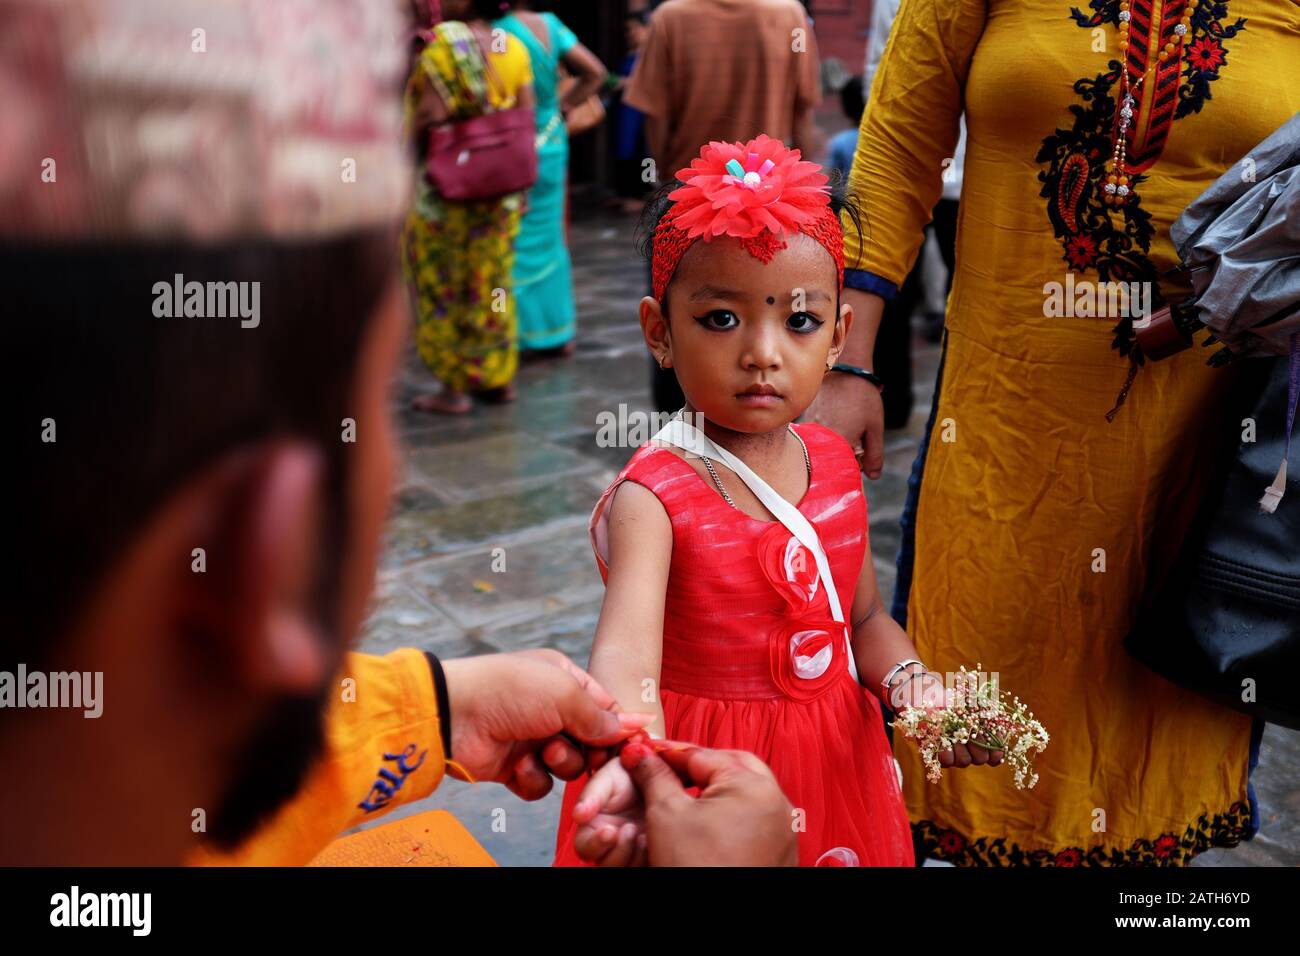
{"points": [[758, 192]]}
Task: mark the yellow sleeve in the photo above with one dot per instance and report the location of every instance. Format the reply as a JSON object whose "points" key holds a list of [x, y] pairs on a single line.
{"points": [[911, 124], [513, 66], [525, 66], [383, 748]]}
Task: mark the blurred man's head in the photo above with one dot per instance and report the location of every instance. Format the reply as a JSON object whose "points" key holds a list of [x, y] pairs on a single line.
{"points": [[635, 27], [202, 338], [852, 101]]}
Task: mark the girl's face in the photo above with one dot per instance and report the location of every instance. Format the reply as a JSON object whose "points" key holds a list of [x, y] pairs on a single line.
{"points": [[750, 342]]}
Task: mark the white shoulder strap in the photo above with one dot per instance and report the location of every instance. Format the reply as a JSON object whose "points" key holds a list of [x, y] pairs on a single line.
{"points": [[686, 436]]}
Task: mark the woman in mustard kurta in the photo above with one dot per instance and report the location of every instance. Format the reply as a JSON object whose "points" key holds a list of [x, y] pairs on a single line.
{"points": [[1061, 468]]}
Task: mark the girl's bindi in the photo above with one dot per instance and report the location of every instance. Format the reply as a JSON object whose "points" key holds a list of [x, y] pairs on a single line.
{"points": [[771, 300]]}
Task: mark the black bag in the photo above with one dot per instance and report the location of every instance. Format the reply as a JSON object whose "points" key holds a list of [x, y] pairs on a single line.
{"points": [[1230, 610]]}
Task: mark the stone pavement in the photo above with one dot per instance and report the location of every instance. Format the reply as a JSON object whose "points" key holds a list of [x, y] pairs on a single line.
{"points": [[487, 546]]}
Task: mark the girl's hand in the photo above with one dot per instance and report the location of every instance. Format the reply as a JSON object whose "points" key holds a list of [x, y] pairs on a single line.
{"points": [[928, 692], [611, 819], [964, 755]]}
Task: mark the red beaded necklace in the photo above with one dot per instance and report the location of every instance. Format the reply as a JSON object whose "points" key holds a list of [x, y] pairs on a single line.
{"points": [[1118, 188]]}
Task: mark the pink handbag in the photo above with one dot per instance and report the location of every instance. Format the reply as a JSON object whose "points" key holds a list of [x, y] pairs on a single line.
{"points": [[485, 156], [482, 157]]}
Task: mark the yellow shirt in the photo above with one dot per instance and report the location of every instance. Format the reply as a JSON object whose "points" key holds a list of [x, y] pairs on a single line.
{"points": [[441, 63], [1041, 524], [383, 749]]}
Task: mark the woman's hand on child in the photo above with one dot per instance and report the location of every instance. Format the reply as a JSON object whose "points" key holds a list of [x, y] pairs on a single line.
{"points": [[852, 407]]}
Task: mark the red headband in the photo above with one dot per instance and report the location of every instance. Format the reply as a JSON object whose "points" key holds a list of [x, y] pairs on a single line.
{"points": [[758, 192]]}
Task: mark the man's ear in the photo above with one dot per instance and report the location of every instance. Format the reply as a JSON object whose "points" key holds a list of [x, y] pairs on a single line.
{"points": [[840, 337], [254, 602], [654, 326]]}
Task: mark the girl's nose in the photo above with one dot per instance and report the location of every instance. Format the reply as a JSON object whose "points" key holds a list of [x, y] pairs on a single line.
{"points": [[762, 349]]}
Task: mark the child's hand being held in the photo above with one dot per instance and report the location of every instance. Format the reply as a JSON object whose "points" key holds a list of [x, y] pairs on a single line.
{"points": [[611, 819]]}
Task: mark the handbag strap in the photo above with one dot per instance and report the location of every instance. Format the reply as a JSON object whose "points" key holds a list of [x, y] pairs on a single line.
{"points": [[686, 436], [1274, 492]]}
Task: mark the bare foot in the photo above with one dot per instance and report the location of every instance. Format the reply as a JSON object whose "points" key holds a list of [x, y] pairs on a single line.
{"points": [[555, 351], [445, 402]]}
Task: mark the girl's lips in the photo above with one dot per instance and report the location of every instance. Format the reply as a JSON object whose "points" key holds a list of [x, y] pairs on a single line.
{"points": [[758, 399]]}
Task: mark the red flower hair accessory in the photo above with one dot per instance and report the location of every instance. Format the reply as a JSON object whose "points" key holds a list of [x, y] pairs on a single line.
{"points": [[759, 192]]}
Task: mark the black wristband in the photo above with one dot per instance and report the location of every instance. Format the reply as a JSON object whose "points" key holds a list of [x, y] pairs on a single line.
{"points": [[871, 377], [444, 702]]}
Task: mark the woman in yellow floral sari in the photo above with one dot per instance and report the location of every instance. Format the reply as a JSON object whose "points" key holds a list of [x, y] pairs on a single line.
{"points": [[458, 255]]}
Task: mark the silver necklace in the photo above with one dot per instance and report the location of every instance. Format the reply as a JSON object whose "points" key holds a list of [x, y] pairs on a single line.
{"points": [[807, 463]]}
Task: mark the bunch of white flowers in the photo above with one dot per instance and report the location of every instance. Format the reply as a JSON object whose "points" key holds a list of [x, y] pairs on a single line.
{"points": [[976, 713]]}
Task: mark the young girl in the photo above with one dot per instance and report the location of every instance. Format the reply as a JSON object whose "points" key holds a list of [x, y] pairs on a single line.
{"points": [[720, 614]]}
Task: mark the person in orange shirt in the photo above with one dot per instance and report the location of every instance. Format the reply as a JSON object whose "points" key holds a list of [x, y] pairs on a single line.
{"points": [[208, 336]]}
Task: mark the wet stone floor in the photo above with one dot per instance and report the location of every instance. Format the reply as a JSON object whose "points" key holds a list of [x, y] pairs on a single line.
{"points": [[512, 486]]}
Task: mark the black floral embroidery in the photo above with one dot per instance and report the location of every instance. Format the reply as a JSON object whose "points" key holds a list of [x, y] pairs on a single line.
{"points": [[1088, 229], [1225, 829], [1103, 11], [1115, 242], [1205, 54]]}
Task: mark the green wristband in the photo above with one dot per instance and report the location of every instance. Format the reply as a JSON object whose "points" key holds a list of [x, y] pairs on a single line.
{"points": [[871, 377]]}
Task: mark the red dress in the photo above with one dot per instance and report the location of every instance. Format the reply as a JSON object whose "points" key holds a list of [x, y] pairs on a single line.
{"points": [[753, 659]]}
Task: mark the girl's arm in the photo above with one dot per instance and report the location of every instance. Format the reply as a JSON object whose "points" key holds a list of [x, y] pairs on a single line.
{"points": [[628, 648], [879, 643]]}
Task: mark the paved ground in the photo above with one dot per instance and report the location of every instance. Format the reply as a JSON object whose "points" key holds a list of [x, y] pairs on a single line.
{"points": [[523, 479]]}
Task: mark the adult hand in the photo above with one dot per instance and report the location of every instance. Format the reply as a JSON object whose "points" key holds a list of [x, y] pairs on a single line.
{"points": [[740, 818], [848, 404], [508, 712], [853, 407]]}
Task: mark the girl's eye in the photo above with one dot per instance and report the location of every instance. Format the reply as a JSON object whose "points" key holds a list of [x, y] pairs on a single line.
{"points": [[804, 322], [718, 320]]}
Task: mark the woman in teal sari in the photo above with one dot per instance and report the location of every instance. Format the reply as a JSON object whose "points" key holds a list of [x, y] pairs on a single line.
{"points": [[543, 283]]}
